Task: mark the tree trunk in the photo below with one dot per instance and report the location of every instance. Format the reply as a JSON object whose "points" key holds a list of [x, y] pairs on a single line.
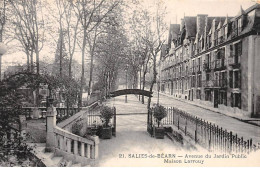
{"points": [[153, 81], [31, 55], [28, 60], [61, 42], [70, 63], [83, 69], [143, 87], [91, 70]]}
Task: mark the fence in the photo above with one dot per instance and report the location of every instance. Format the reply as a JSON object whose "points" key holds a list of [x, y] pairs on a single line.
{"points": [[94, 120], [208, 135], [62, 113]]}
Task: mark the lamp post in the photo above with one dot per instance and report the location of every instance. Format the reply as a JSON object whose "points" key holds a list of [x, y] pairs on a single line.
{"points": [[3, 50], [126, 82]]}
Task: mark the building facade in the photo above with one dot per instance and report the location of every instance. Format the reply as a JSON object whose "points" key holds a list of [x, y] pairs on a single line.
{"points": [[215, 61]]}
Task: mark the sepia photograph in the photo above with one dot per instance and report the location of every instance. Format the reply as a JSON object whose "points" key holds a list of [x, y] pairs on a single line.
{"points": [[129, 83]]}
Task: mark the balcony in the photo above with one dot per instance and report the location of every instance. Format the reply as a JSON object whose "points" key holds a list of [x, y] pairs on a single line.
{"points": [[207, 66], [221, 39], [220, 64], [216, 83], [192, 70], [235, 32], [199, 84], [198, 69], [234, 61]]}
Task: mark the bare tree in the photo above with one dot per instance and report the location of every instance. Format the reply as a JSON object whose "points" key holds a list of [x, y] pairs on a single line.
{"points": [[154, 41], [2, 18], [91, 14], [29, 27]]}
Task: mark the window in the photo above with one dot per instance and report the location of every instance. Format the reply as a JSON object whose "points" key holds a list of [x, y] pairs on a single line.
{"points": [[208, 77], [198, 94], [231, 79], [199, 64], [208, 95], [202, 44], [231, 50], [240, 24], [199, 80], [236, 100], [237, 79], [223, 98]]}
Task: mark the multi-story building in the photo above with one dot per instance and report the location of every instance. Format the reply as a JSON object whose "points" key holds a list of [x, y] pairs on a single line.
{"points": [[215, 61]]}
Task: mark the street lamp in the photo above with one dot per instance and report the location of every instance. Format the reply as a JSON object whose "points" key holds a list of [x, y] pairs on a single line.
{"points": [[126, 81], [3, 50]]}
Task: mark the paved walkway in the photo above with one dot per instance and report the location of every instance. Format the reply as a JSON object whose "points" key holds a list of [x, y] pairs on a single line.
{"points": [[231, 124], [132, 138]]}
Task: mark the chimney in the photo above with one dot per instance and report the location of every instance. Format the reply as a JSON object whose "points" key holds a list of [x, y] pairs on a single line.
{"points": [[182, 24]]}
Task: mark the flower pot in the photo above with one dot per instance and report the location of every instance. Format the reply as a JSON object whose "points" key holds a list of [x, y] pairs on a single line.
{"points": [[159, 132], [106, 133]]}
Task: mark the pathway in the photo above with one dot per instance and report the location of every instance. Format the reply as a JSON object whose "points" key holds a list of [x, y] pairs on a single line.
{"points": [[132, 138]]}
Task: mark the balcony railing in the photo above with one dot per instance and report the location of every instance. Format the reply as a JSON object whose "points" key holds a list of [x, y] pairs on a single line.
{"points": [[198, 69], [234, 61], [235, 32], [216, 83], [207, 66], [221, 39], [220, 64]]}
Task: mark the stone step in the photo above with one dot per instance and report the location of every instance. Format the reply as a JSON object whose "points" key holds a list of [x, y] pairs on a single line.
{"points": [[76, 165], [69, 163], [57, 160]]}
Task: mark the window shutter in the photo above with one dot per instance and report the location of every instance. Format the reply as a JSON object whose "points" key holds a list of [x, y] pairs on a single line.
{"points": [[231, 79], [232, 99], [239, 79], [231, 50], [239, 49]]}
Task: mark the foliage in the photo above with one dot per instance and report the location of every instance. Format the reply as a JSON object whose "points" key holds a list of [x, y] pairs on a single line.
{"points": [[106, 114], [159, 113], [13, 150], [76, 128]]}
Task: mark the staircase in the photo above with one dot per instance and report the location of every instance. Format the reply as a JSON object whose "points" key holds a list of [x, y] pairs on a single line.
{"points": [[50, 160]]}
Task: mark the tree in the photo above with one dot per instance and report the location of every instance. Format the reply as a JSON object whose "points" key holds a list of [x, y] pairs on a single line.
{"points": [[2, 18], [29, 24], [151, 27], [91, 14], [61, 60], [155, 40], [139, 24]]}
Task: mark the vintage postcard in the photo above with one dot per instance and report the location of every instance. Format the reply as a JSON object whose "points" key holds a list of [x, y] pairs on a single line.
{"points": [[129, 83]]}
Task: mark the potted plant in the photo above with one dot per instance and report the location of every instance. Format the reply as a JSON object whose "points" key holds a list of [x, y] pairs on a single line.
{"points": [[106, 114], [159, 114]]}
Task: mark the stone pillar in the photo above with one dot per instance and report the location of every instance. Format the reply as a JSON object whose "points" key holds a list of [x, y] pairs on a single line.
{"points": [[61, 142], [68, 145], [50, 125], [75, 147], [94, 148], [65, 144], [82, 149], [88, 151]]}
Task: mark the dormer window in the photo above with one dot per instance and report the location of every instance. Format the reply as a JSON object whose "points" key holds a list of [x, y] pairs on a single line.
{"points": [[234, 31], [240, 24]]}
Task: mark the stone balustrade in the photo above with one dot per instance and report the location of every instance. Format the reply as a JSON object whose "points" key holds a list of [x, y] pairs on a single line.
{"points": [[68, 145]]}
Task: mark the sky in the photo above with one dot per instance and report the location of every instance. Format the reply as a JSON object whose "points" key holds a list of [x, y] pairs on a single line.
{"points": [[179, 8], [176, 9]]}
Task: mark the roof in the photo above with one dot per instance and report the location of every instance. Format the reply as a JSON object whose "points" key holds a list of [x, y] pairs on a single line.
{"points": [[175, 30], [190, 25]]}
